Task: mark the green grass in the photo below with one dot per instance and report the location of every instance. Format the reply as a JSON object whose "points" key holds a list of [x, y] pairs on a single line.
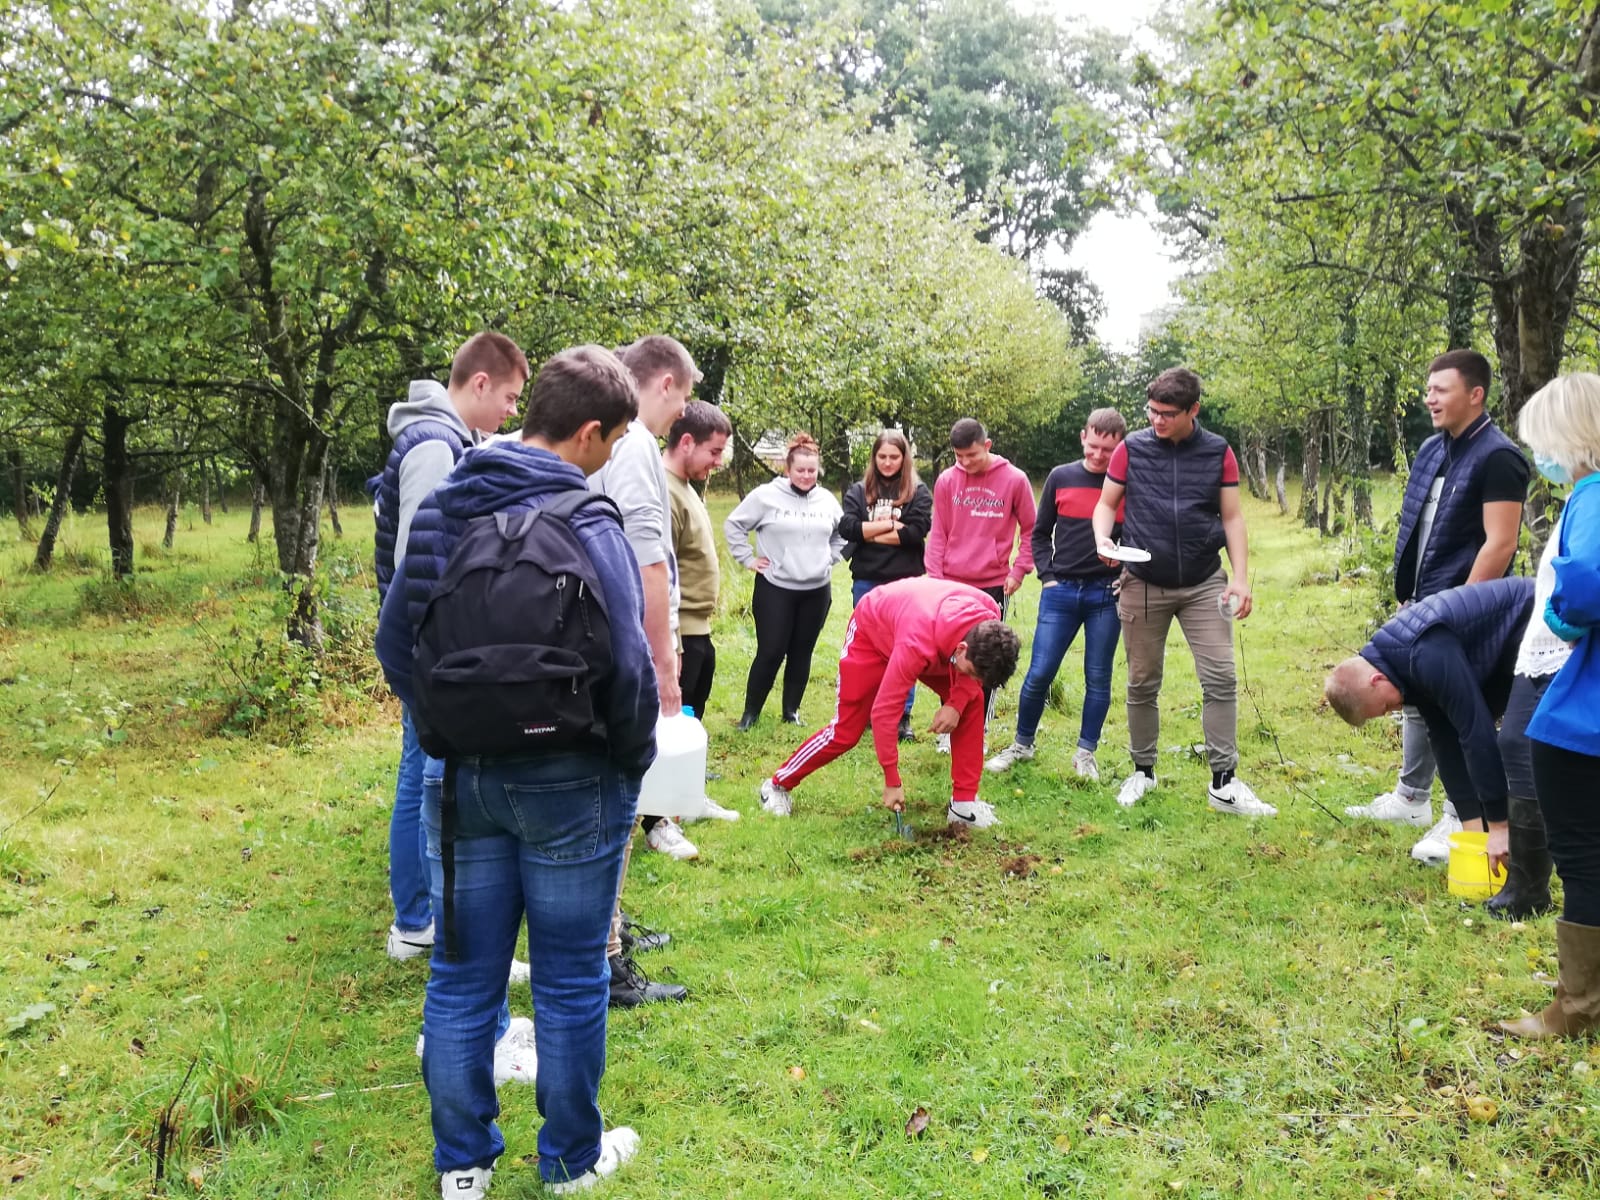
{"points": [[1087, 1001]]}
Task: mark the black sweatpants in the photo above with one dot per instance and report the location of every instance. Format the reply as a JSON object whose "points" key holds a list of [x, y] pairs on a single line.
{"points": [[698, 670], [1568, 784], [788, 623]]}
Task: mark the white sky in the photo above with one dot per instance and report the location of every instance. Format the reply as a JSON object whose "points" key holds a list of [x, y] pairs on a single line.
{"points": [[1124, 255]]}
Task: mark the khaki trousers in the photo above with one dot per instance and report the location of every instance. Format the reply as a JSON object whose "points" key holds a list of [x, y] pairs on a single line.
{"points": [[1147, 612]]}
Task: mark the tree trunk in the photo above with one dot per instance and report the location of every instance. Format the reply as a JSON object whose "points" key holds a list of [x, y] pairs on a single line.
{"points": [[1310, 473], [1250, 464], [205, 492], [1461, 304], [118, 484], [173, 496], [19, 493], [1281, 487], [330, 489], [222, 491], [63, 497], [258, 497]]}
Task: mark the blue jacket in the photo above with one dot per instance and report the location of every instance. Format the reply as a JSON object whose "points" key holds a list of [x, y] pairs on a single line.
{"points": [[1458, 532], [1452, 656], [1569, 714], [507, 476]]}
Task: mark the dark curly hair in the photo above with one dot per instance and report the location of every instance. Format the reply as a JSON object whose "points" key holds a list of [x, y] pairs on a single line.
{"points": [[992, 648]]}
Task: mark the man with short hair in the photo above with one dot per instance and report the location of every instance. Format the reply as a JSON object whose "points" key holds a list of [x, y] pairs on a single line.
{"points": [[636, 481], [431, 429], [1076, 591], [983, 509], [1459, 523], [695, 445], [947, 636], [1177, 487], [541, 843], [1451, 657]]}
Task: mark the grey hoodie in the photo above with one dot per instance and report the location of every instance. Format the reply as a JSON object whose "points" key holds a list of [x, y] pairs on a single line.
{"points": [[800, 534], [427, 465]]}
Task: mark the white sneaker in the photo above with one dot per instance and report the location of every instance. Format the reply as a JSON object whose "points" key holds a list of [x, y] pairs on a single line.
{"points": [[617, 1146], [941, 743], [666, 838], [1084, 764], [1134, 787], [407, 943], [1392, 806], [519, 975], [1014, 753], [712, 811], [515, 1060], [1236, 797], [471, 1184], [1434, 848], [775, 799], [974, 814]]}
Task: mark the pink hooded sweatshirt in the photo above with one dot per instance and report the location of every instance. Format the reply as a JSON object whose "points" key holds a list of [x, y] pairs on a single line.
{"points": [[976, 523]]}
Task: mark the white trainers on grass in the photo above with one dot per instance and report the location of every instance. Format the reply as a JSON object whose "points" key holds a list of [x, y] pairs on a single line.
{"points": [[617, 1146], [1392, 806], [1134, 787], [776, 800], [665, 837], [974, 814], [941, 743], [1011, 755], [471, 1184], [1434, 848], [515, 1060], [712, 811], [409, 943], [1236, 797], [1084, 765]]}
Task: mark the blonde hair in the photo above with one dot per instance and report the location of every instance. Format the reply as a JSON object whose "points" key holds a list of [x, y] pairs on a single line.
{"points": [[1562, 422], [801, 443], [1345, 689]]}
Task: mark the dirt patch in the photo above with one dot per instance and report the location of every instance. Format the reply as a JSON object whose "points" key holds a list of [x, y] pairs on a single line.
{"points": [[1019, 867]]}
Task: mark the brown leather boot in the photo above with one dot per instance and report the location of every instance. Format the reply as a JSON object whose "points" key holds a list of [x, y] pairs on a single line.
{"points": [[1576, 1009]]}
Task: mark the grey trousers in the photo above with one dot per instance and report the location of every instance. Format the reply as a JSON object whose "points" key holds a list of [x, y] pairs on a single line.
{"points": [[1147, 613], [1416, 762]]}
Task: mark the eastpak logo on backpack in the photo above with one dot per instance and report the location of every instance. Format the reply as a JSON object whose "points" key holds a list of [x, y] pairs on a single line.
{"points": [[513, 634]]}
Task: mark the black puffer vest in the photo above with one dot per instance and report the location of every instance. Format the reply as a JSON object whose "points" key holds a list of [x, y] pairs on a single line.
{"points": [[1458, 523], [1174, 506], [387, 511]]}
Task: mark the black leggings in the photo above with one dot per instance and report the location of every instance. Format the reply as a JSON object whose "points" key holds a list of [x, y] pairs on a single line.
{"points": [[1568, 784], [698, 670], [788, 624]]}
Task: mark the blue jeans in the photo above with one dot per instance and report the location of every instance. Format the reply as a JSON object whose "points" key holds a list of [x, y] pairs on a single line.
{"points": [[539, 839], [1064, 608], [858, 589], [408, 872]]}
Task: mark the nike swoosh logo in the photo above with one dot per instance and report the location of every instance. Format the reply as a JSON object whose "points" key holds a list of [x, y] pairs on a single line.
{"points": [[969, 820]]}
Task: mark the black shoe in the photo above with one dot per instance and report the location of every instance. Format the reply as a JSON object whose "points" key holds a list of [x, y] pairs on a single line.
{"points": [[1513, 903], [631, 987], [904, 733], [791, 718], [640, 937], [746, 721]]}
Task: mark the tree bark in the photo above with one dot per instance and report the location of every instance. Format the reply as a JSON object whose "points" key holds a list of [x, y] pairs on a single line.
{"points": [[1310, 473], [118, 486], [174, 482], [1280, 485], [19, 492], [330, 489], [258, 497], [63, 497], [222, 491], [205, 491]]}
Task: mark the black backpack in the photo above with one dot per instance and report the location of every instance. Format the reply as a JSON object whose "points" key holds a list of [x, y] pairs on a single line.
{"points": [[510, 642], [512, 636]]}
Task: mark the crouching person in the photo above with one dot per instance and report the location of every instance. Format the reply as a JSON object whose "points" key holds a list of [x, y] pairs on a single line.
{"points": [[514, 634], [949, 636], [1451, 656]]}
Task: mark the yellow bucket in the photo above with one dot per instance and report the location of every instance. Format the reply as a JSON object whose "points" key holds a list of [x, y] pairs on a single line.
{"points": [[1469, 875]]}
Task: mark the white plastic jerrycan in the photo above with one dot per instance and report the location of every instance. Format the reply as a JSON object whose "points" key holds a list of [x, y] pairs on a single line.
{"points": [[675, 784]]}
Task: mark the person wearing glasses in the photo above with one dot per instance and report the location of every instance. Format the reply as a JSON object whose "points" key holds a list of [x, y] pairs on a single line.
{"points": [[1178, 487]]}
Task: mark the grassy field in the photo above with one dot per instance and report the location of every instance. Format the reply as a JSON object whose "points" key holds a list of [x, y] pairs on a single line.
{"points": [[1086, 1001]]}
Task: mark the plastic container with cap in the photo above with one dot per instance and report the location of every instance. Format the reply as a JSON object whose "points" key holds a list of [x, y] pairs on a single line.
{"points": [[675, 784]]}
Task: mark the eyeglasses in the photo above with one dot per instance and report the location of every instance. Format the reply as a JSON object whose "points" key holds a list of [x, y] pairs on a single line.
{"points": [[1163, 414]]}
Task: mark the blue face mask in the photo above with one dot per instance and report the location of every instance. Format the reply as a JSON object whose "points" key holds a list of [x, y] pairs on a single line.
{"points": [[1552, 470]]}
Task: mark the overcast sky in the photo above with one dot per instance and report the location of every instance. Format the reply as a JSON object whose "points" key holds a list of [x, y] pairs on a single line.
{"points": [[1124, 256]]}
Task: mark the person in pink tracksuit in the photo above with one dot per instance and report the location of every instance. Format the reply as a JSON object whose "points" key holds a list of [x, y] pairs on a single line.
{"points": [[948, 637]]}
